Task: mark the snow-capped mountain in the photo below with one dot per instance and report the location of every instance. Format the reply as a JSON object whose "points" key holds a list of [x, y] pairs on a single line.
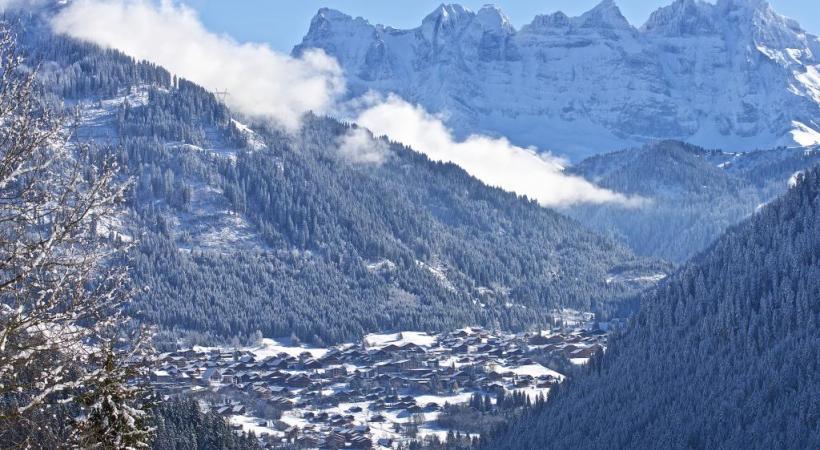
{"points": [[734, 74]]}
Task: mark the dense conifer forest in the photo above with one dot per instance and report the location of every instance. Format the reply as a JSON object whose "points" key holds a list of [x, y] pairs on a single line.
{"points": [[723, 355]]}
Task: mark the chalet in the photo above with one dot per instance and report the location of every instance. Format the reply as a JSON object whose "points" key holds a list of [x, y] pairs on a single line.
{"points": [[549, 348], [307, 441], [569, 349], [485, 348], [335, 371], [494, 376], [185, 354], [160, 376], [279, 391], [211, 375], [385, 367], [334, 440], [330, 360], [495, 388], [299, 380], [361, 442], [262, 392], [588, 352], [275, 376], [311, 363], [276, 363], [418, 384], [524, 382], [556, 339], [251, 377]]}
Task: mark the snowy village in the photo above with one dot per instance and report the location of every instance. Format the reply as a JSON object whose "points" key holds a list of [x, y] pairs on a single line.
{"points": [[383, 392]]}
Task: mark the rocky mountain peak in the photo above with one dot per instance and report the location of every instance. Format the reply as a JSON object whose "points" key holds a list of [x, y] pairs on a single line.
{"points": [[492, 18], [445, 19], [605, 15], [684, 17]]}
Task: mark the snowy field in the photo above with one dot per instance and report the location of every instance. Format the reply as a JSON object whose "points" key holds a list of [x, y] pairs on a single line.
{"points": [[376, 341]]}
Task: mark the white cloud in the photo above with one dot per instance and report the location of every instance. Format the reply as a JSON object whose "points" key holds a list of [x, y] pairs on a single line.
{"points": [[260, 81], [496, 162], [359, 146]]}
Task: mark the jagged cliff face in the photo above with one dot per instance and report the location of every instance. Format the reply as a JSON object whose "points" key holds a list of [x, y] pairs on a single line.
{"points": [[734, 75]]}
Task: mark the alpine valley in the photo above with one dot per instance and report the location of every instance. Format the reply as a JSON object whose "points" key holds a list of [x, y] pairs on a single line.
{"points": [[177, 272]]}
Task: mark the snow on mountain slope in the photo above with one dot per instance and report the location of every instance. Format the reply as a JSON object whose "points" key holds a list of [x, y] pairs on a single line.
{"points": [[207, 221], [734, 74]]}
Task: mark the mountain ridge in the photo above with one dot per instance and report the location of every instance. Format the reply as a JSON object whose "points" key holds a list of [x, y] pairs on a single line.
{"points": [[693, 194], [734, 75]]}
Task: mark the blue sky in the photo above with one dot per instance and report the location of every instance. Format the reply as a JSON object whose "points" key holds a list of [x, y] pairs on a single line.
{"points": [[282, 23]]}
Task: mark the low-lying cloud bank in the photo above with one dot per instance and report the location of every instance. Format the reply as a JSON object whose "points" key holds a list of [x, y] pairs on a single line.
{"points": [[496, 162], [259, 81], [264, 83], [360, 146]]}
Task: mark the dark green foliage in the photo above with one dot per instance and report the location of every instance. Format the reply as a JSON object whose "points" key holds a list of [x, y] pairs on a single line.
{"points": [[724, 355], [180, 425]]}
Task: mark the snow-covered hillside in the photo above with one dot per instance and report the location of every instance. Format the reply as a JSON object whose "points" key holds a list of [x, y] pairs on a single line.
{"points": [[734, 74]]}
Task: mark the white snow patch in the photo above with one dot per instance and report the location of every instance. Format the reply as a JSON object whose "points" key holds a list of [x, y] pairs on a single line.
{"points": [[381, 265], [273, 347], [377, 341], [810, 79], [255, 142], [439, 272], [112, 226], [804, 136], [651, 278], [251, 424], [464, 397], [534, 370]]}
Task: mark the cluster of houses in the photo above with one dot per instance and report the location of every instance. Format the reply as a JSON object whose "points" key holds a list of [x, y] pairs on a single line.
{"points": [[366, 395]]}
